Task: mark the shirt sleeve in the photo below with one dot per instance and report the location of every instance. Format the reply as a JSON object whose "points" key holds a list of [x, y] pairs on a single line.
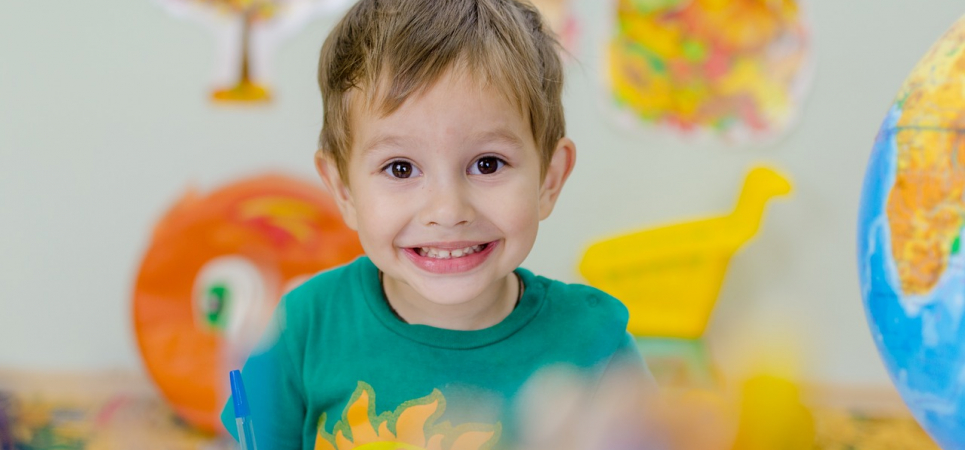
{"points": [[274, 389]]}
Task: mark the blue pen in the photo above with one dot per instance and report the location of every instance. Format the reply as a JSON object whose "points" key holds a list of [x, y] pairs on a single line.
{"points": [[246, 430]]}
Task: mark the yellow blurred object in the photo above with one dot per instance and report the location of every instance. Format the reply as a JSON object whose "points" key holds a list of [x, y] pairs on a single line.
{"points": [[773, 417], [669, 277], [244, 91]]}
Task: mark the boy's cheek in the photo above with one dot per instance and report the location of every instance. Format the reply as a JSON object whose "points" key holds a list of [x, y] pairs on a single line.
{"points": [[379, 219], [520, 204]]}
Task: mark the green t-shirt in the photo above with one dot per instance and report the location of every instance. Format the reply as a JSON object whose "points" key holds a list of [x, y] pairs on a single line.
{"points": [[341, 370]]}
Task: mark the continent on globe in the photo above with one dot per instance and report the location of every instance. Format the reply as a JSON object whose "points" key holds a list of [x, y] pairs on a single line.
{"points": [[926, 209]]}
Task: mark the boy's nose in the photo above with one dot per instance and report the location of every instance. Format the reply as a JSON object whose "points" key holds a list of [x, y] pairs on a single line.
{"points": [[447, 205]]}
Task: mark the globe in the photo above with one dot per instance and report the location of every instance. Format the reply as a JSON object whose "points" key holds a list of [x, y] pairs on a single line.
{"points": [[910, 228]]}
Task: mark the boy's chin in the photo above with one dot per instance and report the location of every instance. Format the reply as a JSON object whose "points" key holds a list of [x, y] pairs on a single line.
{"points": [[448, 297], [453, 291]]}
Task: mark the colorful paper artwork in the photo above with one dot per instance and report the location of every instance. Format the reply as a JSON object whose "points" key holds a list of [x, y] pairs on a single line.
{"points": [[730, 69], [213, 274], [247, 30]]}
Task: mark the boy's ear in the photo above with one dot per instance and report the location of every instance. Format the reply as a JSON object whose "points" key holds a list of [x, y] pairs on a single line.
{"points": [[560, 166], [328, 170]]}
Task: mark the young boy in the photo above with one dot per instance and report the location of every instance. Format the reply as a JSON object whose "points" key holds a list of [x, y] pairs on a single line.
{"points": [[443, 144]]}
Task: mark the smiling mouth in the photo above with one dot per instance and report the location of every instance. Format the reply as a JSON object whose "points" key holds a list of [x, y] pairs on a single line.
{"points": [[439, 253]]}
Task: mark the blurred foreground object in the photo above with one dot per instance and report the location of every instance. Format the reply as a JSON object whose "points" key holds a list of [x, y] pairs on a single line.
{"points": [[679, 363], [215, 270], [625, 412], [731, 69], [121, 410], [910, 229], [669, 277], [246, 30], [846, 430], [94, 411]]}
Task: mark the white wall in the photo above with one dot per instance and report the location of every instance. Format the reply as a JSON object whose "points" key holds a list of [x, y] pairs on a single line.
{"points": [[104, 121]]}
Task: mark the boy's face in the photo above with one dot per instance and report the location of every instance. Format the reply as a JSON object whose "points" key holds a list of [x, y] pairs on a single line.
{"points": [[445, 192]]}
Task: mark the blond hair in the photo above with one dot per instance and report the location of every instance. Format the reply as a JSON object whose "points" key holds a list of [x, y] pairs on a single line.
{"points": [[390, 49]]}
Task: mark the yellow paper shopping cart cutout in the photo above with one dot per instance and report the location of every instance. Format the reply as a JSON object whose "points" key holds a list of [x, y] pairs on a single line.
{"points": [[669, 277]]}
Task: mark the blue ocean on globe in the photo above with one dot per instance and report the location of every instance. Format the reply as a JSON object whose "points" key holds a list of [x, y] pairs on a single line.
{"points": [[919, 337]]}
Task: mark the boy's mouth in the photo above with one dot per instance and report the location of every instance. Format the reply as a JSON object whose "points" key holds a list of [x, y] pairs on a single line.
{"points": [[456, 257], [441, 253]]}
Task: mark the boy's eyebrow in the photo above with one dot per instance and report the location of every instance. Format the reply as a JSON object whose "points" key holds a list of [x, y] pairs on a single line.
{"points": [[499, 135], [386, 140]]}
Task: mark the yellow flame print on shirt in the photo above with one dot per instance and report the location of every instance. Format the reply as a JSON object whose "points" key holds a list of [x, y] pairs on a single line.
{"points": [[412, 426]]}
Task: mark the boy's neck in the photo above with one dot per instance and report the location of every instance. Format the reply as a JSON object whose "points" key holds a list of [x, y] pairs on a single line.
{"points": [[478, 314]]}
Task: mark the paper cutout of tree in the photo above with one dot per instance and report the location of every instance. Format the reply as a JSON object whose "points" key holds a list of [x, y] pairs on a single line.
{"points": [[254, 24], [249, 12]]}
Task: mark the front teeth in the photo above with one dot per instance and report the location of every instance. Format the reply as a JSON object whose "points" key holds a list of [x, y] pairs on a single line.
{"points": [[438, 253]]}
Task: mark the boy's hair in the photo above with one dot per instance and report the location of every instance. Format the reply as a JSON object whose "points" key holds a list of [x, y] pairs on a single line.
{"points": [[383, 51]]}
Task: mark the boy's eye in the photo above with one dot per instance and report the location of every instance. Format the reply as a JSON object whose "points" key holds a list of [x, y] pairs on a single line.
{"points": [[486, 165], [401, 169]]}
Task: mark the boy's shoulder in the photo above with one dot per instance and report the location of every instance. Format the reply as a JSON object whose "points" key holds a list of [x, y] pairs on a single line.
{"points": [[581, 306]]}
